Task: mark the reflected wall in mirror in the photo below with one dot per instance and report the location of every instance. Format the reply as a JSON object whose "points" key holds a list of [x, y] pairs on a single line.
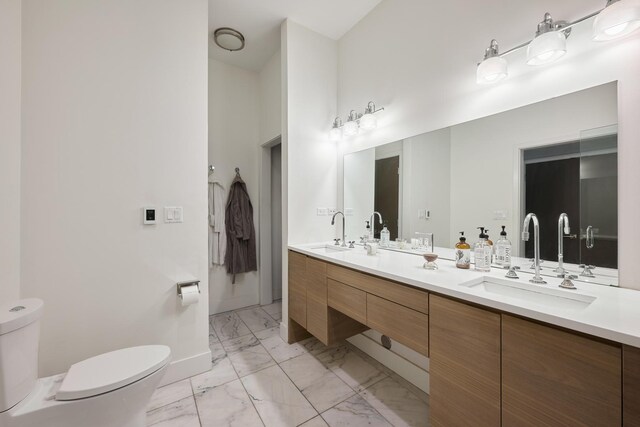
{"points": [[551, 157]]}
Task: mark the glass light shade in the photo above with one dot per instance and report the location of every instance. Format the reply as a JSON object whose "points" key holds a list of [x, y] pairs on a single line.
{"points": [[546, 48], [617, 20], [350, 128], [335, 134], [492, 70], [368, 121]]}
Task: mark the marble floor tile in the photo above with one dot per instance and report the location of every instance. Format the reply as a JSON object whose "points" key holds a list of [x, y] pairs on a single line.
{"points": [[274, 310], [169, 394], [277, 399], [322, 388], [256, 319], [217, 352], [354, 412], [182, 413], [247, 355], [228, 326], [221, 373], [277, 348], [314, 346], [351, 368], [397, 404], [315, 422], [227, 405], [213, 337]]}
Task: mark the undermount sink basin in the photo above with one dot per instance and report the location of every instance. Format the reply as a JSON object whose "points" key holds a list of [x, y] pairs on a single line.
{"points": [[328, 249], [541, 295]]}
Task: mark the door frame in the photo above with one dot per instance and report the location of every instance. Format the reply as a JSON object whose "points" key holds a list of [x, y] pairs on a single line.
{"points": [[265, 258]]}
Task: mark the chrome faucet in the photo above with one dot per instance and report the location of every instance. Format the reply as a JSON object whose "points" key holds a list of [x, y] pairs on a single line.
{"points": [[563, 223], [536, 244], [344, 235], [371, 231]]}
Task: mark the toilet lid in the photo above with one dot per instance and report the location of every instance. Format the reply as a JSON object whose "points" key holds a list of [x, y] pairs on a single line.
{"points": [[110, 371]]}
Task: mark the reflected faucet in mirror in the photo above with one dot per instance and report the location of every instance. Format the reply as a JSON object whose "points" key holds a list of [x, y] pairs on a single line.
{"points": [[563, 224], [536, 244], [371, 230], [344, 232]]}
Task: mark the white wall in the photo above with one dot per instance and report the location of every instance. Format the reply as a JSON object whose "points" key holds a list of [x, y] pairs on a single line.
{"points": [[426, 84], [309, 64], [485, 152], [114, 118], [234, 123], [270, 99], [10, 26]]}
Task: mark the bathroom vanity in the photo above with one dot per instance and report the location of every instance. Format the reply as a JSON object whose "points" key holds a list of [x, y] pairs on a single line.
{"points": [[502, 353]]}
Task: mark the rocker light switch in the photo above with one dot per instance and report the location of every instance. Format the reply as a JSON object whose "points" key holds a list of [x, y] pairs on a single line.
{"points": [[173, 214]]}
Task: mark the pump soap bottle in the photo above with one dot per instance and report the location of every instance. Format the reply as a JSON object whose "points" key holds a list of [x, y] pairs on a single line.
{"points": [[463, 252], [482, 253], [503, 250], [384, 236]]}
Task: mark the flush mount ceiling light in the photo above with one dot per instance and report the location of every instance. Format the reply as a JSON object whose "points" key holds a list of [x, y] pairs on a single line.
{"points": [[228, 39], [550, 43], [355, 122], [618, 19], [493, 68]]}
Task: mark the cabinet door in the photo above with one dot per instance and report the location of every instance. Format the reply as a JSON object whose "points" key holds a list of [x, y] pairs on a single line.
{"points": [[556, 378], [298, 288], [465, 364], [631, 386], [317, 299]]}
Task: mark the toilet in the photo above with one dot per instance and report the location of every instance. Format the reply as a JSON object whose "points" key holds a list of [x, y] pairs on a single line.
{"points": [[109, 390]]}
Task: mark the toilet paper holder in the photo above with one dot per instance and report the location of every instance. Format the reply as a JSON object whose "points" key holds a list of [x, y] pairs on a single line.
{"points": [[188, 283]]}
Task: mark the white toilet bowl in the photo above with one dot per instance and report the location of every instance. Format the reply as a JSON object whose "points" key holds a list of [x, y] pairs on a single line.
{"points": [[109, 390]]}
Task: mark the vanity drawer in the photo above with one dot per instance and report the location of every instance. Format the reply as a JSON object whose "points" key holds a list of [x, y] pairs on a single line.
{"points": [[407, 326], [348, 300], [392, 291]]}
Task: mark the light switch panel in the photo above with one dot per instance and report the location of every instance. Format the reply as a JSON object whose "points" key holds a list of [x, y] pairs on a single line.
{"points": [[173, 214]]}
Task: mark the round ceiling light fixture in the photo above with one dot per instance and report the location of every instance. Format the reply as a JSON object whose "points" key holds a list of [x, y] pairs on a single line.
{"points": [[228, 39]]}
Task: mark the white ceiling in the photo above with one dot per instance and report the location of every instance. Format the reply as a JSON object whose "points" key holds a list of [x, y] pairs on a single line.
{"points": [[259, 21]]}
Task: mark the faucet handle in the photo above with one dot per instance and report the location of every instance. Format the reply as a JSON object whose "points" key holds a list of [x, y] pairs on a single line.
{"points": [[533, 263], [511, 274], [351, 244], [337, 242], [567, 283], [586, 272]]}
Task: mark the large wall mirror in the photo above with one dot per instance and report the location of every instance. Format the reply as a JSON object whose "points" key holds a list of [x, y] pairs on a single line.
{"points": [[552, 157]]}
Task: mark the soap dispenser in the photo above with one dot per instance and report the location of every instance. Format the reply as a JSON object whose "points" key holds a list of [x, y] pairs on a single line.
{"points": [[384, 236], [482, 252], [367, 233], [503, 250], [463, 253]]}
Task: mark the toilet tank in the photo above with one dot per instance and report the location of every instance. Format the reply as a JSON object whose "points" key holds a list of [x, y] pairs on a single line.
{"points": [[19, 335]]}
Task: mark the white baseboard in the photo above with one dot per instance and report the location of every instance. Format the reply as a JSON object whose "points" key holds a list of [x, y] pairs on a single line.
{"points": [[401, 366], [187, 367]]}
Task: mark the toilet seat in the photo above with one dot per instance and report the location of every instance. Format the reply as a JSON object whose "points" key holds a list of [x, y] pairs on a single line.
{"points": [[113, 370]]}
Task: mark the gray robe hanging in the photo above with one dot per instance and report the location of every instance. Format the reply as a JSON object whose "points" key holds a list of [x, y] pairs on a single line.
{"points": [[241, 235]]}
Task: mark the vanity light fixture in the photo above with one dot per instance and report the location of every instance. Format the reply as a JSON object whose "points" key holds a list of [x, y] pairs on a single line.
{"points": [[618, 19], [335, 134], [493, 68], [351, 126], [355, 122], [368, 121], [550, 43]]}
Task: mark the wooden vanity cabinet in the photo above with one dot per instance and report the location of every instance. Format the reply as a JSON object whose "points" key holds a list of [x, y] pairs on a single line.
{"points": [[298, 288], [317, 313], [465, 364], [552, 377], [630, 386]]}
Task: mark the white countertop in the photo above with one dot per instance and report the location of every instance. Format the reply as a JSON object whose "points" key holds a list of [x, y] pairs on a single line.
{"points": [[613, 315]]}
